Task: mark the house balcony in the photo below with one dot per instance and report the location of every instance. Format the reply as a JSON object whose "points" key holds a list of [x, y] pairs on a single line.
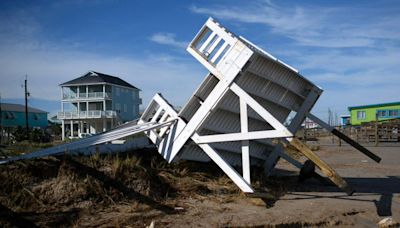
{"points": [[86, 115], [87, 96]]}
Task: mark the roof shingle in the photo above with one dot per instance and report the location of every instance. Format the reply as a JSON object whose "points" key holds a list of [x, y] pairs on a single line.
{"points": [[93, 77], [7, 107]]}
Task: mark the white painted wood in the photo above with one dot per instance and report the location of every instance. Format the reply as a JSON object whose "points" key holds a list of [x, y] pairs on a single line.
{"points": [[252, 135], [118, 133], [259, 49], [223, 32], [229, 171], [157, 114], [164, 130], [213, 46], [219, 52], [63, 130], [245, 143], [207, 42], [278, 126], [212, 100], [72, 128], [163, 119]]}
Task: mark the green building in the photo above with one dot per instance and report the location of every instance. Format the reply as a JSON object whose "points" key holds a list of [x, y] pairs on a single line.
{"points": [[368, 113]]}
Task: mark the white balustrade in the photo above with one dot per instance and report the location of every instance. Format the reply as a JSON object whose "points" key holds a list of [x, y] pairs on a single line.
{"points": [[92, 114], [91, 95]]}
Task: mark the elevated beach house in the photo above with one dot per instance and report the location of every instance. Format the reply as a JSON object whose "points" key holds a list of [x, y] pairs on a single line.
{"points": [[96, 102]]}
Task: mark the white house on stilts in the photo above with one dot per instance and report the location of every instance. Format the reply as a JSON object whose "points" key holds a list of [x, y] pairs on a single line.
{"points": [[95, 103]]}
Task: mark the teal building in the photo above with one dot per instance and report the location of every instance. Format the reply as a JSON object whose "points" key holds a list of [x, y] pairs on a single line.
{"points": [[13, 115]]}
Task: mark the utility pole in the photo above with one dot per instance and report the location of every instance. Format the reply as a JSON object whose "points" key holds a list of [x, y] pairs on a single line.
{"points": [[329, 116], [26, 107], [330, 122]]}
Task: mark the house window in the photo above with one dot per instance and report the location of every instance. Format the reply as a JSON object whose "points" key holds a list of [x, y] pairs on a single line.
{"points": [[361, 115], [9, 116], [381, 113], [125, 108], [118, 107], [117, 90], [390, 113], [36, 117]]}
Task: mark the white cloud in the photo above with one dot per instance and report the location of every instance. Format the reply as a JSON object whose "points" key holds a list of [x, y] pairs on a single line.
{"points": [[168, 39], [351, 52], [312, 25], [360, 95]]}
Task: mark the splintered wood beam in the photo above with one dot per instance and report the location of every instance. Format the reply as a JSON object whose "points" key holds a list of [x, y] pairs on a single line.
{"points": [[323, 166]]}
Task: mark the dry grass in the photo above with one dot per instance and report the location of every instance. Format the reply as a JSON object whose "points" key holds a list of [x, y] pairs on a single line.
{"points": [[142, 180]]}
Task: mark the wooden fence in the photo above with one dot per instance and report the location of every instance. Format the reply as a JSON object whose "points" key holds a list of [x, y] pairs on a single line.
{"points": [[375, 132]]}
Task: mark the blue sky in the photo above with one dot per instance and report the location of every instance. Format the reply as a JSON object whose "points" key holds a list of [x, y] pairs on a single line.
{"points": [[349, 48]]}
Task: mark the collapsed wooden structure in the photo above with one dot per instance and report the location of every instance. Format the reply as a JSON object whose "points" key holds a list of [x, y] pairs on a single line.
{"points": [[238, 116]]}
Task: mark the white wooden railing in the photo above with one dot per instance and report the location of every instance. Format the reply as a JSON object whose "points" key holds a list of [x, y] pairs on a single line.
{"points": [[91, 95], [87, 114]]}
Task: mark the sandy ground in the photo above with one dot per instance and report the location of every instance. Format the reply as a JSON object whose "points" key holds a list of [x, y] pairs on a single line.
{"points": [[311, 203], [217, 202]]}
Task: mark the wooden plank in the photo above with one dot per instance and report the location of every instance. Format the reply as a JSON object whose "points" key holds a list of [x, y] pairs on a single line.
{"points": [[356, 145], [344, 137], [324, 167]]}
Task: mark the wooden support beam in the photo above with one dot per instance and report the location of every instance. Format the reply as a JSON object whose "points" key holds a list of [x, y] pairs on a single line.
{"points": [[356, 145], [228, 170], [324, 167], [244, 126], [344, 137]]}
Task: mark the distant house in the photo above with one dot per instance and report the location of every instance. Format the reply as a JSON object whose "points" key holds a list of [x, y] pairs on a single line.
{"points": [[372, 112], [96, 102], [13, 115], [344, 120], [309, 124]]}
